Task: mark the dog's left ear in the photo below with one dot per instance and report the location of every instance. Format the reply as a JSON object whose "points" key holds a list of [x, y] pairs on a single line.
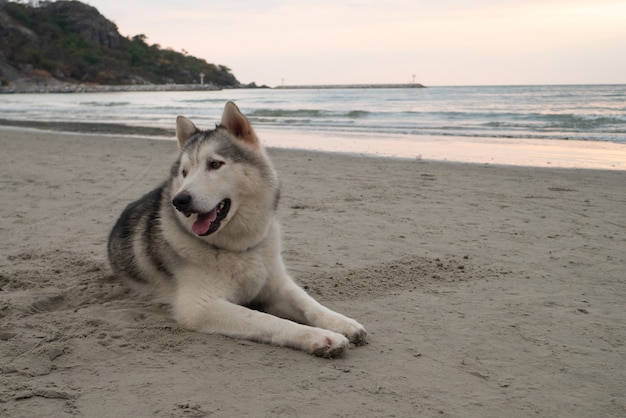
{"points": [[185, 129], [237, 124]]}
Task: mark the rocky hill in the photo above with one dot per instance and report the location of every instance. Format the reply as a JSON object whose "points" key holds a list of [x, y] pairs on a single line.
{"points": [[61, 44]]}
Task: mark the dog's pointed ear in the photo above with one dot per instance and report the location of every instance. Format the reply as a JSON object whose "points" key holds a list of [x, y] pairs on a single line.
{"points": [[237, 124], [185, 129]]}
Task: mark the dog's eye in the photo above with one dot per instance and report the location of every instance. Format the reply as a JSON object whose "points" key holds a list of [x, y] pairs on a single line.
{"points": [[184, 173], [214, 165]]}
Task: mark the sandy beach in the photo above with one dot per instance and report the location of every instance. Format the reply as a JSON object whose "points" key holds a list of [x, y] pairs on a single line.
{"points": [[488, 291]]}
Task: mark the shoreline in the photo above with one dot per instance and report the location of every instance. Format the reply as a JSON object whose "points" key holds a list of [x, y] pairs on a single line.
{"points": [[492, 151], [62, 87], [54, 86]]}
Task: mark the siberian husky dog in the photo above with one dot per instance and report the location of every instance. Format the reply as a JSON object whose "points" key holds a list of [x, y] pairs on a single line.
{"points": [[207, 243]]}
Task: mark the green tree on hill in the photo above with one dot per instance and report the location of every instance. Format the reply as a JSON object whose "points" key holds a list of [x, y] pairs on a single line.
{"points": [[72, 41]]}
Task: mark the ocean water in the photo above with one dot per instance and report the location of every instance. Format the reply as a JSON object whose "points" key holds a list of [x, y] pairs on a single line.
{"points": [[595, 113]]}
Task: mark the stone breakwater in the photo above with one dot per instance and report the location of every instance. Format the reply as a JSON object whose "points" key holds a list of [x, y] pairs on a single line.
{"points": [[355, 86]]}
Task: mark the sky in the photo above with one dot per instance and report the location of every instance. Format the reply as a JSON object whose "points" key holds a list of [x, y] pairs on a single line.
{"points": [[432, 42]]}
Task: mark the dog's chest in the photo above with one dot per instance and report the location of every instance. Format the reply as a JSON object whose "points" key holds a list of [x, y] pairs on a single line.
{"points": [[237, 277], [247, 274]]}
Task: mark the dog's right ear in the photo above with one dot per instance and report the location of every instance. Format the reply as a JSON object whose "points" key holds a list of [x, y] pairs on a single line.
{"points": [[185, 129]]}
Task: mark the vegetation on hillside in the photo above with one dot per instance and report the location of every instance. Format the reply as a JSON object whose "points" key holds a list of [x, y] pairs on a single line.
{"points": [[71, 41]]}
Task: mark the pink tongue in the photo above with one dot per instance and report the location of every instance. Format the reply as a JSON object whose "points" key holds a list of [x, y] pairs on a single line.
{"points": [[203, 223]]}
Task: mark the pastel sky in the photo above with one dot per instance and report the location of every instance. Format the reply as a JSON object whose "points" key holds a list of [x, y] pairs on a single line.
{"points": [[439, 42]]}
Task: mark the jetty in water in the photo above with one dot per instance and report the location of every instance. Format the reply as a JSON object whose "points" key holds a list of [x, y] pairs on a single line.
{"points": [[355, 86]]}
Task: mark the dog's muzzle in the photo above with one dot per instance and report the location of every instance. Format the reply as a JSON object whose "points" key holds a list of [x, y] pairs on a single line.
{"points": [[206, 223]]}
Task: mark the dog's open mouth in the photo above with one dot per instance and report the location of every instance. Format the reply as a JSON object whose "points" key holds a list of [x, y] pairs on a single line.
{"points": [[209, 222]]}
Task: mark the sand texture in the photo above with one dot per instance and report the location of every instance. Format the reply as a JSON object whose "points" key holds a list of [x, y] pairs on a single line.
{"points": [[487, 291]]}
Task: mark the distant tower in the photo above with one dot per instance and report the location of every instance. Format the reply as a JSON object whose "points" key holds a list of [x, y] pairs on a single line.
{"points": [[413, 78], [202, 79]]}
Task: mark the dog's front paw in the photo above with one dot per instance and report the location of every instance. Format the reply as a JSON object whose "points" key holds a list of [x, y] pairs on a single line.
{"points": [[357, 334], [328, 344], [354, 331]]}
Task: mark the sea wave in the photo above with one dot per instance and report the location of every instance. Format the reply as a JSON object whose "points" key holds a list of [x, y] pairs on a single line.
{"points": [[592, 113], [104, 104], [584, 122], [307, 113]]}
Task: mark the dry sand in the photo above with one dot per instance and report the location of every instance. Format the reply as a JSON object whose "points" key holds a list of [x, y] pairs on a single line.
{"points": [[487, 291]]}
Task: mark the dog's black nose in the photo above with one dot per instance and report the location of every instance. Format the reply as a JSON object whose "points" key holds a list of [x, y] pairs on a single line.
{"points": [[182, 201]]}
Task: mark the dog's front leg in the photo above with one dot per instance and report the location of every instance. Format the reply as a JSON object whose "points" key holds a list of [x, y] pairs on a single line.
{"points": [[290, 301], [217, 316]]}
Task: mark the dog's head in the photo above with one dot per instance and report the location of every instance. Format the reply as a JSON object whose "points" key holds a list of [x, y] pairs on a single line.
{"points": [[224, 188]]}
